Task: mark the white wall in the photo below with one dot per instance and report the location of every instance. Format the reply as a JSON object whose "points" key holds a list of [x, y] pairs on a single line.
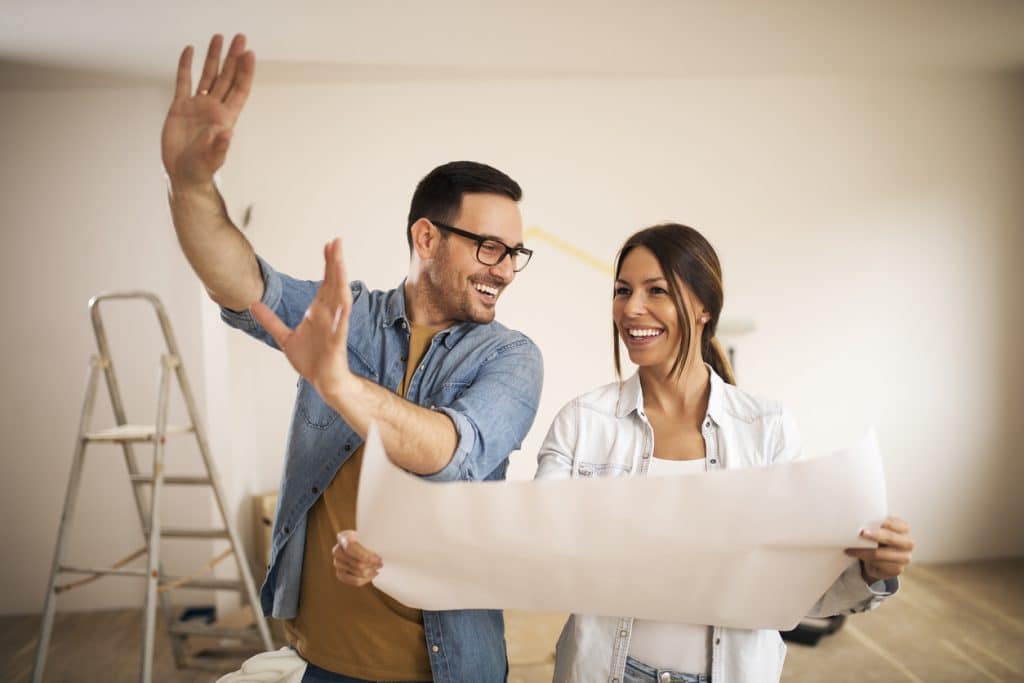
{"points": [[866, 225]]}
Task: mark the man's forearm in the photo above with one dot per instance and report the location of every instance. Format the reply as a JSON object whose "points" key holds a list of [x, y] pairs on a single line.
{"points": [[419, 440], [218, 252]]}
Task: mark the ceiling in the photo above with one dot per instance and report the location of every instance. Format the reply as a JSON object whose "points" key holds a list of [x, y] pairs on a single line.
{"points": [[324, 39]]}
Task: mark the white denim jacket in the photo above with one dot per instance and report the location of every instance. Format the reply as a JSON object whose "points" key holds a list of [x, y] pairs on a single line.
{"points": [[605, 433]]}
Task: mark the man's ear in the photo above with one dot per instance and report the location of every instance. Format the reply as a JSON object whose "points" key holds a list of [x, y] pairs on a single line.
{"points": [[425, 239]]}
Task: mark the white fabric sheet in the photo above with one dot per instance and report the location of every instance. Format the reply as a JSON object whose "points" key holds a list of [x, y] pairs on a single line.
{"points": [[751, 548]]}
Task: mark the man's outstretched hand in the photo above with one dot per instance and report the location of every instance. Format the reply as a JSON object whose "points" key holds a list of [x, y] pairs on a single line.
{"points": [[199, 125], [317, 348]]}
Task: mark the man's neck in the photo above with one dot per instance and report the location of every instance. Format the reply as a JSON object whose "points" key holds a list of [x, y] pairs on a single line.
{"points": [[421, 305]]}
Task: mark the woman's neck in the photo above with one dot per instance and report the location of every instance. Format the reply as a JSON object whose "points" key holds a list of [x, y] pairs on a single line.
{"points": [[684, 396]]}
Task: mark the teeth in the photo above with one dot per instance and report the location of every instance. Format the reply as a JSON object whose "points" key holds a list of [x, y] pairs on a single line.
{"points": [[644, 333], [493, 291]]}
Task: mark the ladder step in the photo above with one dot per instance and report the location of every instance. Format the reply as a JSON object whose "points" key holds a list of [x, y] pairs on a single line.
{"points": [[126, 433], [190, 629], [144, 479], [210, 583], [103, 571], [178, 532], [199, 582]]}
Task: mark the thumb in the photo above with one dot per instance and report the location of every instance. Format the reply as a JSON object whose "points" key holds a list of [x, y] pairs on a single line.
{"points": [[220, 140], [271, 323]]}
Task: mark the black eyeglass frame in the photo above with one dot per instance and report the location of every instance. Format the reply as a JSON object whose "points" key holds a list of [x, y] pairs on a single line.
{"points": [[511, 252]]}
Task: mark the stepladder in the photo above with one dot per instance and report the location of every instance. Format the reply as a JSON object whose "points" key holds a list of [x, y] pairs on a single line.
{"points": [[149, 474]]}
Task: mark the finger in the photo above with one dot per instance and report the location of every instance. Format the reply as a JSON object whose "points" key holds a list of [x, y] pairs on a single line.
{"points": [[269, 321], [357, 582], [361, 556], [210, 65], [355, 568], [183, 84], [889, 538], [896, 524], [241, 84], [217, 149], [332, 291], [227, 73], [344, 302], [350, 545], [879, 555]]}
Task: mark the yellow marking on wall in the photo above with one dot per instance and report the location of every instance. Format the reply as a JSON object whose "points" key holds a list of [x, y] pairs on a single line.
{"points": [[570, 249]]}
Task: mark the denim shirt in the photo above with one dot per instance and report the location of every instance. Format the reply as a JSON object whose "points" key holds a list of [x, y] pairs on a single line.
{"points": [[485, 377]]}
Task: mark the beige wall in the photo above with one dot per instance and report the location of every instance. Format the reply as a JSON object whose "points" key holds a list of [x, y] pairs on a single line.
{"points": [[866, 225]]}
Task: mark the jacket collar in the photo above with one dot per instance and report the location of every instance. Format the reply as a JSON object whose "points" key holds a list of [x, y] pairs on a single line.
{"points": [[631, 397]]}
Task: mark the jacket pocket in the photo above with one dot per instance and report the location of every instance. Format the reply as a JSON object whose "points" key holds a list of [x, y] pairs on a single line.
{"points": [[314, 411]]}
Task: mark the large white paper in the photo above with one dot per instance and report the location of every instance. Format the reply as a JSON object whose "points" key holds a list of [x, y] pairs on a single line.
{"points": [[751, 548]]}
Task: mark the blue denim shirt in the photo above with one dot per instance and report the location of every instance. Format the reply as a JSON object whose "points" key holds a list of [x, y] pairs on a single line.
{"points": [[486, 378]]}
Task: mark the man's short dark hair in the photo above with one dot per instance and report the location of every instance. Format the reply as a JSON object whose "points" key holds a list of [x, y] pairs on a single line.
{"points": [[439, 195]]}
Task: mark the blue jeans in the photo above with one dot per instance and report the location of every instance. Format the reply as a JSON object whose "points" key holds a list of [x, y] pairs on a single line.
{"points": [[638, 672], [315, 674]]}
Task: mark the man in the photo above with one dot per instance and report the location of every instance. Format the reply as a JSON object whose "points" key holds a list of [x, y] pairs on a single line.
{"points": [[452, 391]]}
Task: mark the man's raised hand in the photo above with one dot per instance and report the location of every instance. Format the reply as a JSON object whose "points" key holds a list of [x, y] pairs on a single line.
{"points": [[317, 348], [199, 124]]}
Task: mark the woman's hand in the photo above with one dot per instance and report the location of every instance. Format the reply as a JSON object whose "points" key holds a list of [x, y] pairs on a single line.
{"points": [[892, 555]]}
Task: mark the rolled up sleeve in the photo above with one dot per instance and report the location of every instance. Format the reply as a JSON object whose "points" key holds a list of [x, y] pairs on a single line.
{"points": [[494, 414], [286, 296]]}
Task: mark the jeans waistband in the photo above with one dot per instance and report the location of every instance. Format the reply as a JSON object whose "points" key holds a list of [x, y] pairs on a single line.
{"points": [[642, 673]]}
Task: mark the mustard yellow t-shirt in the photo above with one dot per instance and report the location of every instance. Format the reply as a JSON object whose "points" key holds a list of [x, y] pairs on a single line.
{"points": [[359, 632]]}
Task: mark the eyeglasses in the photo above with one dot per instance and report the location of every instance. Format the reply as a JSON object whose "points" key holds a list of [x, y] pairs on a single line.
{"points": [[491, 252]]}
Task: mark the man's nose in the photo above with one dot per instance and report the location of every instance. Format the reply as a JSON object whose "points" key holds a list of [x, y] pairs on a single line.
{"points": [[504, 269]]}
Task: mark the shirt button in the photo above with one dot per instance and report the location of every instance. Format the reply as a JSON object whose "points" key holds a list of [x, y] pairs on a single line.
{"points": [[717, 641], [435, 648], [405, 358], [622, 634], [287, 529], [316, 490], [348, 447], [713, 461]]}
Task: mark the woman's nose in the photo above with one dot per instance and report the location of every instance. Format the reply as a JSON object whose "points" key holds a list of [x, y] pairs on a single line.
{"points": [[635, 306]]}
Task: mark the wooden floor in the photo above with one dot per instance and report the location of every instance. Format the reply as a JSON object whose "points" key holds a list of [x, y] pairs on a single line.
{"points": [[955, 622]]}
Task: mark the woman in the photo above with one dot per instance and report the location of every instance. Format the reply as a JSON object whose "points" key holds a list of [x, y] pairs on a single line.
{"points": [[682, 400]]}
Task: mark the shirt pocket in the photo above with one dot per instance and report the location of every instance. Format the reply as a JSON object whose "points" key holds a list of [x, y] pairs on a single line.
{"points": [[585, 470], [315, 413]]}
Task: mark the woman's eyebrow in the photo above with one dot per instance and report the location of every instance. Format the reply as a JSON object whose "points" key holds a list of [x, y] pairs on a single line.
{"points": [[645, 282]]}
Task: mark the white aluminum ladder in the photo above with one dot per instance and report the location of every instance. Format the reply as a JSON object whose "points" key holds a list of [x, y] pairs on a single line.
{"points": [[127, 435]]}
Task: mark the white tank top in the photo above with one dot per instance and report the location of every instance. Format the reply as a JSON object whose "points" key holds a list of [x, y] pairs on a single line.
{"points": [[678, 647]]}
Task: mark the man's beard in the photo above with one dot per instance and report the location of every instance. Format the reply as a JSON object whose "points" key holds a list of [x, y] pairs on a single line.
{"points": [[453, 296]]}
